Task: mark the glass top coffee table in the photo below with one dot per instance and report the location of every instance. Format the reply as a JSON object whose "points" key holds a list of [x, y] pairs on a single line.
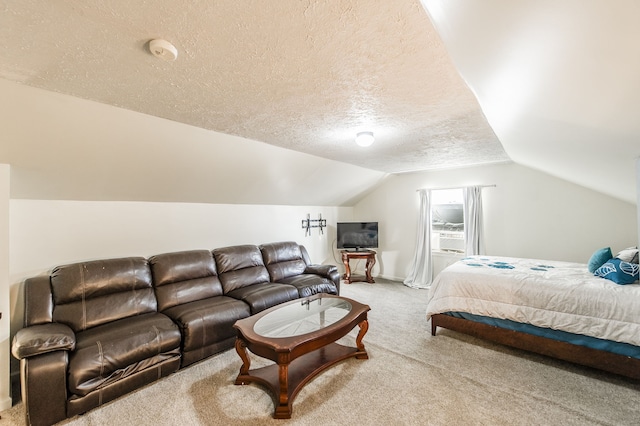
{"points": [[300, 337]]}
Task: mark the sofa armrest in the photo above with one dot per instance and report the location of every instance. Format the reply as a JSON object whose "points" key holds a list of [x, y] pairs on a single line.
{"points": [[322, 270], [328, 271], [43, 379], [40, 339]]}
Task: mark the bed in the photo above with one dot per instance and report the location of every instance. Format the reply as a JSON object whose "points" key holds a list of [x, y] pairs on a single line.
{"points": [[558, 309]]}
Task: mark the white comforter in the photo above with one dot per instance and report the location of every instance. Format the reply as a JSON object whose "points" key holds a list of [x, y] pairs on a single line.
{"points": [[556, 295]]}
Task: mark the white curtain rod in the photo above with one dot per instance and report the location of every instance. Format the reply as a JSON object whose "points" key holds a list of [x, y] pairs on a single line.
{"points": [[456, 187]]}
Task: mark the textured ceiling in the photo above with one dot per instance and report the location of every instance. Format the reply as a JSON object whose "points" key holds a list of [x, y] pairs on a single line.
{"points": [[303, 75]]}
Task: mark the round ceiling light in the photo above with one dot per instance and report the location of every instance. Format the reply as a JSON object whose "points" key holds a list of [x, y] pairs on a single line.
{"points": [[163, 49], [364, 138]]}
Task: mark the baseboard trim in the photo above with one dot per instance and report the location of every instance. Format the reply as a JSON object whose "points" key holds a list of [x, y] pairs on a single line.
{"points": [[386, 277], [5, 404]]}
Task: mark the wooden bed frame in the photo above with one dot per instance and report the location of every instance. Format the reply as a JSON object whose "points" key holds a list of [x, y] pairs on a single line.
{"points": [[602, 360]]}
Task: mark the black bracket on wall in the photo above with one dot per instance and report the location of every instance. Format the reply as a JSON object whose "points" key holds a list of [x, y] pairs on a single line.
{"points": [[309, 223]]}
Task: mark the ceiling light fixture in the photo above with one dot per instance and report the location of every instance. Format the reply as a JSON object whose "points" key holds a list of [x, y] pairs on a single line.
{"points": [[163, 49], [364, 138]]}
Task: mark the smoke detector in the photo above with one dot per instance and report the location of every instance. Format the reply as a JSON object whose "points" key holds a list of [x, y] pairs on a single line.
{"points": [[163, 49]]}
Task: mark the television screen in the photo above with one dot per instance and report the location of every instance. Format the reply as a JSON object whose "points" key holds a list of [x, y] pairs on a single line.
{"points": [[357, 235]]}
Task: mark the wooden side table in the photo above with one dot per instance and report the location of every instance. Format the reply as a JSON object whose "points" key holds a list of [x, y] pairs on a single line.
{"points": [[369, 255]]}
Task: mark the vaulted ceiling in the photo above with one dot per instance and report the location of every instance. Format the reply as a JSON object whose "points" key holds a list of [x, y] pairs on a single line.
{"points": [[443, 83], [557, 80]]}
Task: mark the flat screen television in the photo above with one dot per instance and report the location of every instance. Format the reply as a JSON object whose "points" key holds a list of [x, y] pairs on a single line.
{"points": [[357, 235]]}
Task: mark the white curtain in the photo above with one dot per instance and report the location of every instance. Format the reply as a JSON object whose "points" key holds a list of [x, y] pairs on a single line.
{"points": [[421, 272], [473, 235]]}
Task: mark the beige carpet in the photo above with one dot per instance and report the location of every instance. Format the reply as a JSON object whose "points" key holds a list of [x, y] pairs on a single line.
{"points": [[411, 378]]}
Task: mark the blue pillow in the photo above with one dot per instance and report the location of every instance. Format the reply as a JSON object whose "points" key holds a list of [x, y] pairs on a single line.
{"points": [[599, 258], [618, 271]]}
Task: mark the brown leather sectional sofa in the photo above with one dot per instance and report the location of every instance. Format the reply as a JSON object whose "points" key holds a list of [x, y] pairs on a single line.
{"points": [[97, 330]]}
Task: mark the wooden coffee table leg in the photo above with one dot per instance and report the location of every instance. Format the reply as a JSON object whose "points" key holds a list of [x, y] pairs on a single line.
{"points": [[284, 409], [362, 352], [241, 349]]}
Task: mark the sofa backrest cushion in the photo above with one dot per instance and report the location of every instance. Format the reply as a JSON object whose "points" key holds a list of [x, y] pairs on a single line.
{"points": [[184, 277], [283, 259], [240, 266], [92, 293]]}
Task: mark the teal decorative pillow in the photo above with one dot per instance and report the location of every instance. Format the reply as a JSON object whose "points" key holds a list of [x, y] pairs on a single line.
{"points": [[599, 258], [618, 271]]}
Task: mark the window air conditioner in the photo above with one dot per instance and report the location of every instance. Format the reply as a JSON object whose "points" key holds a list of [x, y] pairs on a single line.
{"points": [[452, 241]]}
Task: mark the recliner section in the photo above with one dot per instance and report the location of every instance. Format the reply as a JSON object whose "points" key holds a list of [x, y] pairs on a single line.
{"points": [[244, 277], [190, 293], [97, 330], [287, 263]]}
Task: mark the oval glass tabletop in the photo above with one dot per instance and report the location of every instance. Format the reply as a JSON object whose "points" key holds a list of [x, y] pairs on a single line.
{"points": [[307, 316]]}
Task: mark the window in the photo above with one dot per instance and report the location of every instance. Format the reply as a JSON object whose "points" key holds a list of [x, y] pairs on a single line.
{"points": [[447, 221]]}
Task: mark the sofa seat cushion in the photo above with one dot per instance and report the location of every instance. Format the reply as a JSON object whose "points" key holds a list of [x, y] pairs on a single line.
{"points": [[262, 296], [309, 284], [109, 352], [208, 321]]}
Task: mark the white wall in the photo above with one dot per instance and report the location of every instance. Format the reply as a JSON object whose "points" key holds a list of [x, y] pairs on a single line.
{"points": [[528, 214], [5, 336]]}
